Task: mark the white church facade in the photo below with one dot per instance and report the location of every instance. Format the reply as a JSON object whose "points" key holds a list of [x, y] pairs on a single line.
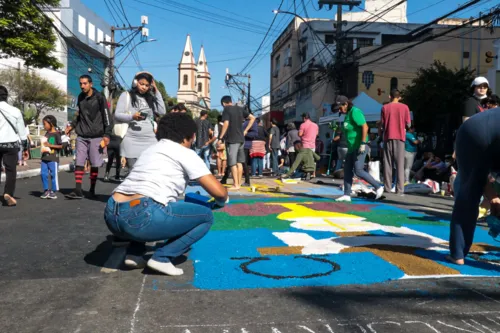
{"points": [[194, 80]]}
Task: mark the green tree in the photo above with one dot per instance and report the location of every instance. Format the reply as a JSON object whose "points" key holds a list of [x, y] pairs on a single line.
{"points": [[167, 99], [213, 115], [437, 90], [27, 33], [33, 90]]}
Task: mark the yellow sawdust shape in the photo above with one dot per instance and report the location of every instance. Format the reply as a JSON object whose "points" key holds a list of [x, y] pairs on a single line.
{"points": [[279, 251], [352, 233], [480, 247], [405, 259], [299, 211]]}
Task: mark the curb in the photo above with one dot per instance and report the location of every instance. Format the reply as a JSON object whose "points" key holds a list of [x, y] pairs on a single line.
{"points": [[34, 172]]}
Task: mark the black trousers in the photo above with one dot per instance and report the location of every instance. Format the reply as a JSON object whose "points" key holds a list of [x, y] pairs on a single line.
{"points": [[291, 157], [9, 158], [478, 153], [114, 154]]}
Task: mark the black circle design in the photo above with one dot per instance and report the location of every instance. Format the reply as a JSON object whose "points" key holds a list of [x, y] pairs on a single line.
{"points": [[187, 53], [245, 268]]}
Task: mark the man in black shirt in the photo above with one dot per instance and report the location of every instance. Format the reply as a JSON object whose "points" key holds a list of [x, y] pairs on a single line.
{"points": [[94, 127], [203, 134], [234, 136]]}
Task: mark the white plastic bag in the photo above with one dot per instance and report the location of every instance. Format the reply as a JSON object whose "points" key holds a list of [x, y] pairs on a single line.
{"points": [[120, 129], [374, 170]]}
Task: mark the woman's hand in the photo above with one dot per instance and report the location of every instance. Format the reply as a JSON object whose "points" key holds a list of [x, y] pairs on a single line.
{"points": [[137, 116], [153, 85]]}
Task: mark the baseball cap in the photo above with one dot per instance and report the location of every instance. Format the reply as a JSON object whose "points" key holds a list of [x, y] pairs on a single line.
{"points": [[339, 101], [479, 80]]}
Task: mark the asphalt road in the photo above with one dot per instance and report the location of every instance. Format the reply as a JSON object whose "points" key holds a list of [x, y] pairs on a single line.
{"points": [[59, 273]]}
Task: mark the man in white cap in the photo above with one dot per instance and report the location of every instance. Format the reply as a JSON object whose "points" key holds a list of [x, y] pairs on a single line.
{"points": [[473, 105]]}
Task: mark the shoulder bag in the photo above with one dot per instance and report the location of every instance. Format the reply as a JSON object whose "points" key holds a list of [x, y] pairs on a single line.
{"points": [[120, 129]]}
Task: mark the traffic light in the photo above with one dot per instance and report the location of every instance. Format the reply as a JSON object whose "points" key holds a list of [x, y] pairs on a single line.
{"points": [[490, 56]]}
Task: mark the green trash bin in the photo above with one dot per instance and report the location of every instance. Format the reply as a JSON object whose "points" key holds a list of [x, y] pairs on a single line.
{"points": [[36, 153]]}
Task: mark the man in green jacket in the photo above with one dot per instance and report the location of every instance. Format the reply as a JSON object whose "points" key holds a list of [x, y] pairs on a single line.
{"points": [[307, 158]]}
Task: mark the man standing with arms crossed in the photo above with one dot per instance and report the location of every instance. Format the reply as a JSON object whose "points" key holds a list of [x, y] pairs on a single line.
{"points": [[94, 127], [203, 141], [308, 132], [234, 137], [394, 121]]}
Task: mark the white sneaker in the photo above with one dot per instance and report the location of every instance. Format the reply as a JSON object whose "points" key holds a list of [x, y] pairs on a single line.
{"points": [[379, 193], [135, 262], [164, 267], [393, 190], [344, 198]]}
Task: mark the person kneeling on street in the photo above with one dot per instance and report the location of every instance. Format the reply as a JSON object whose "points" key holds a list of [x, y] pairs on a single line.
{"points": [[306, 159], [144, 208]]}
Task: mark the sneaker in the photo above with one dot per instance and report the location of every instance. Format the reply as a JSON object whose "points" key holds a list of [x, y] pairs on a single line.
{"points": [[92, 193], [308, 176], [75, 195], [118, 179], [246, 185], [344, 198], [393, 190], [136, 262], [164, 267], [45, 194], [52, 195], [106, 177], [379, 193]]}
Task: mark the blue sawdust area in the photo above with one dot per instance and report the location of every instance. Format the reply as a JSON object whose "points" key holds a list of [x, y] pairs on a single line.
{"points": [[52, 280]]}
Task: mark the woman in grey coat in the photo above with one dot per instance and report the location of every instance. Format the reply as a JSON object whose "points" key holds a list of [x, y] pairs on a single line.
{"points": [[138, 107], [291, 137]]}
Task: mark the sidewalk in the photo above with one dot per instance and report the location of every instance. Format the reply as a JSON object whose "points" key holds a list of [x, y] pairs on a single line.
{"points": [[33, 168]]}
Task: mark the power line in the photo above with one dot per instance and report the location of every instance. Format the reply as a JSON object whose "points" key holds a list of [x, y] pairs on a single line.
{"points": [[124, 13], [263, 40]]}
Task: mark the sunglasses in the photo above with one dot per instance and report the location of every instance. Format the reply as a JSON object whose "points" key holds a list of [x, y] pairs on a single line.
{"points": [[483, 86]]}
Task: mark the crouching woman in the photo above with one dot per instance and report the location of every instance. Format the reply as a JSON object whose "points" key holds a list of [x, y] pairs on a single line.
{"points": [[144, 208]]}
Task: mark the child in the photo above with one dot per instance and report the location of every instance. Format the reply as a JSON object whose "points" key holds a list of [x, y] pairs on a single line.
{"points": [[51, 146], [221, 158]]}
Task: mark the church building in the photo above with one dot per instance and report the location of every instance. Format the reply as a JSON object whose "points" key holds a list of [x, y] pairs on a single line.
{"points": [[194, 80]]}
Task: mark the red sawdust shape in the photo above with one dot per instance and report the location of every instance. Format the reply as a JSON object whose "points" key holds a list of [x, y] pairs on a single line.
{"points": [[339, 207], [256, 209]]}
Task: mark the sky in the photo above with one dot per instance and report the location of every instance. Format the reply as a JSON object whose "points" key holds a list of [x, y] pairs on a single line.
{"points": [[230, 31]]}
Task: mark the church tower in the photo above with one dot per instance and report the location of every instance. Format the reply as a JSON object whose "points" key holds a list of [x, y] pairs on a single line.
{"points": [[203, 79], [187, 75]]}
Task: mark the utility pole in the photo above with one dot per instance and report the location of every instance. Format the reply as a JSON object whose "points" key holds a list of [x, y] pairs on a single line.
{"points": [[111, 82], [479, 46], [245, 90], [339, 38]]}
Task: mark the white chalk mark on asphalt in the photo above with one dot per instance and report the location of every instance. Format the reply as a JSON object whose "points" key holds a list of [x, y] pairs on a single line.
{"points": [[426, 302], [137, 306], [485, 296], [423, 323], [115, 260], [306, 328], [78, 329]]}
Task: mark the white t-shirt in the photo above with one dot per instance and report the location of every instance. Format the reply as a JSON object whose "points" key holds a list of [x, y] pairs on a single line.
{"points": [[163, 171]]}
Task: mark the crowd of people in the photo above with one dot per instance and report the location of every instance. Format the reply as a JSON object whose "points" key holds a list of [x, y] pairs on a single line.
{"points": [[163, 151]]}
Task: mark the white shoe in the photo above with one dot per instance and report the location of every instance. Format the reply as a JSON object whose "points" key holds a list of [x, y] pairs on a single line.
{"points": [[393, 190], [344, 198], [164, 267], [379, 193], [136, 262]]}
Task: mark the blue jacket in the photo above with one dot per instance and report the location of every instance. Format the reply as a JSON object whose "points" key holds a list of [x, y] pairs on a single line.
{"points": [[252, 133]]}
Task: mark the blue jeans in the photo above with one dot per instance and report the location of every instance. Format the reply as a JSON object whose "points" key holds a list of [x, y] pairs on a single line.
{"points": [[204, 153], [181, 224], [48, 167], [275, 163], [355, 164], [257, 166]]}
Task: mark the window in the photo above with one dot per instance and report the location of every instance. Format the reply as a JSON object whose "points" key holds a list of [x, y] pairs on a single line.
{"points": [[91, 31], [185, 80], [303, 53], [394, 83], [200, 87], [365, 42], [329, 39], [82, 25], [100, 36], [277, 63]]}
